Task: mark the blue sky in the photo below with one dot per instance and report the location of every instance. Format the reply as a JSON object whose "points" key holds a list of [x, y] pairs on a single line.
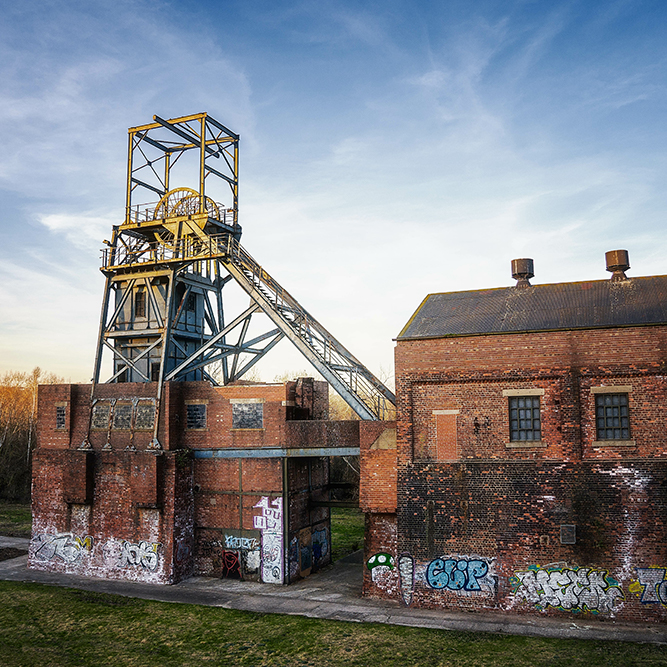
{"points": [[388, 150]]}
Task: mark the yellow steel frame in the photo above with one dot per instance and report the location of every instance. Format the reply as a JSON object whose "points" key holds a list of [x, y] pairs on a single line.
{"points": [[165, 141]]}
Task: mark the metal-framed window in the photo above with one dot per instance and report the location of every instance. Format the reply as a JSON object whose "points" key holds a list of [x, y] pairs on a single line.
{"points": [[122, 417], [61, 416], [247, 415], [525, 422], [195, 415], [612, 417]]}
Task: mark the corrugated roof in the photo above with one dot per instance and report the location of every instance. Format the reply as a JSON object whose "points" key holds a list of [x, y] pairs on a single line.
{"points": [[583, 305]]}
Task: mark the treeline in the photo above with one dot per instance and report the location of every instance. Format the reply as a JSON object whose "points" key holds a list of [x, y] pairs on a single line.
{"points": [[18, 411]]}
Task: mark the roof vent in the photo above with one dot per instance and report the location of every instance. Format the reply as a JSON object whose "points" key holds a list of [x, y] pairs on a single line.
{"points": [[522, 271], [618, 262]]}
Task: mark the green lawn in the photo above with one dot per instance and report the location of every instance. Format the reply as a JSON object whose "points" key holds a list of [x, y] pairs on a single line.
{"points": [[43, 625], [15, 519], [347, 531]]}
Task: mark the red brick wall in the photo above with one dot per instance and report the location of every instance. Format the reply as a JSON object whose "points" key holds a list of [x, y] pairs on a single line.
{"points": [[168, 511], [127, 530], [381, 538], [495, 513]]}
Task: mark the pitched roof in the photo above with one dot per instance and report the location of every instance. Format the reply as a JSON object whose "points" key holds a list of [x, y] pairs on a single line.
{"points": [[559, 306]]}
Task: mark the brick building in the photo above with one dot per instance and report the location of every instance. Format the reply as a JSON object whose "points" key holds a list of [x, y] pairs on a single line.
{"points": [[530, 469], [237, 486]]}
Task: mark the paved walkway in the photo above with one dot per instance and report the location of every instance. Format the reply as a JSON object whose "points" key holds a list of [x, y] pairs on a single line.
{"points": [[333, 593]]}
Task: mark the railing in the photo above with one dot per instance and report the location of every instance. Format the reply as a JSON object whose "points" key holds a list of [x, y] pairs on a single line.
{"points": [[141, 213], [187, 248]]}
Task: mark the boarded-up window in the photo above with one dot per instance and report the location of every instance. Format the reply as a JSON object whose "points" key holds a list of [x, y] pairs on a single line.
{"points": [[247, 415], [446, 444], [101, 416], [145, 416], [61, 416], [122, 416], [196, 415]]}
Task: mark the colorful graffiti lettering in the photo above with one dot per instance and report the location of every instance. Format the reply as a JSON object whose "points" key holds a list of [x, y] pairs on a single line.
{"points": [[574, 589], [66, 546], [651, 585], [270, 522], [234, 542], [144, 554], [461, 573], [406, 575]]}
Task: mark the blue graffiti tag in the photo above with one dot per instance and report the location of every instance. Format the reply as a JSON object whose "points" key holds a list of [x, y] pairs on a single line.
{"points": [[456, 574]]}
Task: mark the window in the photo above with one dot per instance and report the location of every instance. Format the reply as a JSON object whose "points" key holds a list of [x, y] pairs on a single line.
{"points": [[145, 416], [195, 415], [61, 416], [140, 303], [612, 417], [155, 372], [525, 418], [247, 415], [122, 416], [100, 416]]}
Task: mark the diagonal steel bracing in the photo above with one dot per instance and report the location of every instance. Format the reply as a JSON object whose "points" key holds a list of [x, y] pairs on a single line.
{"points": [[166, 266]]}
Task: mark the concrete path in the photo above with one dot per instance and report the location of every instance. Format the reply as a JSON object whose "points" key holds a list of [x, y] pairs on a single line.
{"points": [[333, 593]]}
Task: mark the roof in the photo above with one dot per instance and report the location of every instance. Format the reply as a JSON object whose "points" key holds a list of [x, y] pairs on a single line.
{"points": [[559, 306]]}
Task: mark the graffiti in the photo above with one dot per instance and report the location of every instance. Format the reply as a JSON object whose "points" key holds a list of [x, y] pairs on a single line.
{"points": [[247, 543], [306, 557], [144, 554], [271, 518], [270, 522], [568, 589], [320, 545], [182, 552], [380, 560], [406, 575], [65, 546], [294, 557], [382, 566], [231, 566], [251, 560], [467, 574], [651, 585], [272, 548]]}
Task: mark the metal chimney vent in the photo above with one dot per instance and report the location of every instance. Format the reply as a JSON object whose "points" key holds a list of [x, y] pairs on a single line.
{"points": [[618, 262], [522, 271]]}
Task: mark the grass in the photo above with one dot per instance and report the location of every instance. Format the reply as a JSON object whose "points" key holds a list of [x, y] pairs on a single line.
{"points": [[43, 625], [15, 519], [347, 531]]}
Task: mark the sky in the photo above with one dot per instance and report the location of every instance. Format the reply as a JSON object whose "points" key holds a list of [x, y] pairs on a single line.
{"points": [[388, 150]]}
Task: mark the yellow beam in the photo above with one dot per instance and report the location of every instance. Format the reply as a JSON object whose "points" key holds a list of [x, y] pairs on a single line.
{"points": [[182, 119]]}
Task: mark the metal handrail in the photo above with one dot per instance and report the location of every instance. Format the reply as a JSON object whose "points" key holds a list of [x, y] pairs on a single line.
{"points": [[140, 213]]}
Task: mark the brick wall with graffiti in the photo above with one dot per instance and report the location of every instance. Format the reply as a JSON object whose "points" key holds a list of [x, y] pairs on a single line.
{"points": [[539, 537], [562, 513]]}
